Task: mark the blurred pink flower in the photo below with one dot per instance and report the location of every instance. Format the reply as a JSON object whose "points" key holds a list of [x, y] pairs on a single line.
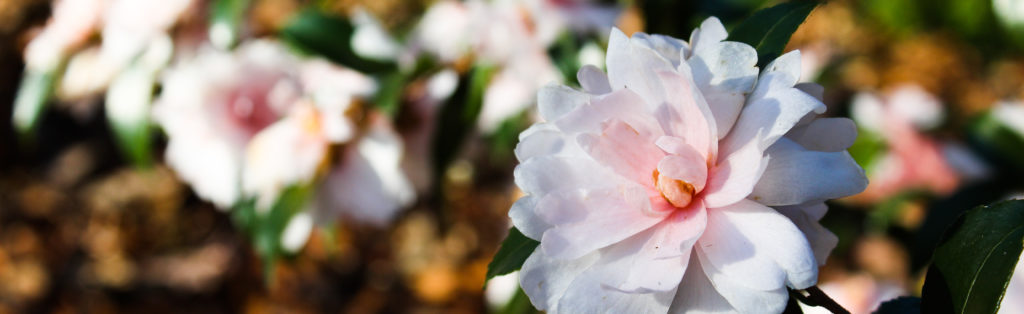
{"points": [[913, 159], [652, 190], [513, 35]]}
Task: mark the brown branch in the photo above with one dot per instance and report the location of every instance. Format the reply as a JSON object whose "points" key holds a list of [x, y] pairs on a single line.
{"points": [[816, 297]]}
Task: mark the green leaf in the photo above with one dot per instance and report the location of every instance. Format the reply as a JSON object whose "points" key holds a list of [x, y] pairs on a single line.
{"points": [[769, 30], [226, 22], [901, 305], [33, 94], [317, 32], [973, 263], [1001, 141], [512, 254], [458, 116]]}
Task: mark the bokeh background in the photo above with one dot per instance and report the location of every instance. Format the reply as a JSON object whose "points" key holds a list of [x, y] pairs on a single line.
{"points": [[94, 219]]}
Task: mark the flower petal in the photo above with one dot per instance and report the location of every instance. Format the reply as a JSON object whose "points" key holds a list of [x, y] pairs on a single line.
{"points": [[659, 256], [757, 247], [825, 134], [593, 80], [632, 66], [554, 101], [741, 297], [585, 221], [806, 218], [697, 294], [686, 115], [734, 178], [548, 174], [771, 111], [545, 279], [796, 175], [687, 165], [625, 150], [525, 218]]}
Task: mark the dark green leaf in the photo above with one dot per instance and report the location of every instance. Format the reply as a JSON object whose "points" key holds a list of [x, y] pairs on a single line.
{"points": [[901, 305], [512, 254], [329, 36], [458, 116], [769, 30], [973, 263]]}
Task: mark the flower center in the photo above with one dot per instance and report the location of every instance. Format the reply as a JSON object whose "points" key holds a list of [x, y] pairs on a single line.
{"points": [[677, 192]]}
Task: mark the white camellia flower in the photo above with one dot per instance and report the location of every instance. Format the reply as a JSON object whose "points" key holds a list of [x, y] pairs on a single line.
{"points": [[681, 181]]}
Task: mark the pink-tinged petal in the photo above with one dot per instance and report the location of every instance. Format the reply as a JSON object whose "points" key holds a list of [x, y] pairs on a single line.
{"points": [[659, 256], [667, 47], [547, 174], [772, 110], [796, 175], [686, 164], [554, 101], [623, 149], [739, 295], [734, 178], [758, 247], [806, 218], [825, 134], [632, 66], [687, 115], [584, 221], [622, 104], [545, 279], [593, 80], [697, 294], [525, 218]]}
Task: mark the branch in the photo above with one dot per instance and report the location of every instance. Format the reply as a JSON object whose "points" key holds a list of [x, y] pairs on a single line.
{"points": [[815, 297]]}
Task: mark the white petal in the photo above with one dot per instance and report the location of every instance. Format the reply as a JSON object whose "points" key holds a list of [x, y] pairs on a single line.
{"points": [[771, 111], [297, 232], [584, 221], [545, 280], [548, 174], [825, 134], [696, 294], [806, 218], [725, 72], [632, 66], [554, 101], [593, 80], [796, 175], [524, 217], [788, 63], [542, 139], [757, 247], [744, 299], [659, 256]]}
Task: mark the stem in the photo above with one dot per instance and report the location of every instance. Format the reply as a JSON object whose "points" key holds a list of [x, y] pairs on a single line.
{"points": [[816, 297]]}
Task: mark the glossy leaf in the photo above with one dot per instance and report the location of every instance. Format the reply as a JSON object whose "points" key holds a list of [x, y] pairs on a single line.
{"points": [[769, 30], [901, 305], [975, 260], [512, 254]]}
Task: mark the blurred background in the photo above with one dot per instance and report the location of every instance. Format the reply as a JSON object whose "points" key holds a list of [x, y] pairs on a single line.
{"points": [[266, 156]]}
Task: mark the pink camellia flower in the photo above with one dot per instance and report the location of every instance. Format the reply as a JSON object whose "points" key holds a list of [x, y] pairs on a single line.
{"points": [[913, 159], [680, 181]]}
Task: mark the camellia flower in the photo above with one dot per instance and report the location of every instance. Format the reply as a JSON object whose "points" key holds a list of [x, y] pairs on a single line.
{"points": [[913, 159], [513, 35], [680, 181]]}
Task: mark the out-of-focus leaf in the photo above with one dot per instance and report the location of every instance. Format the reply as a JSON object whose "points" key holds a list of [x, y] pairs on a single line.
{"points": [[867, 148], [512, 254], [34, 92], [458, 116], [330, 36], [520, 304], [504, 139], [1003, 142], [901, 305], [266, 227], [127, 108], [974, 262], [226, 18], [769, 30], [897, 16]]}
